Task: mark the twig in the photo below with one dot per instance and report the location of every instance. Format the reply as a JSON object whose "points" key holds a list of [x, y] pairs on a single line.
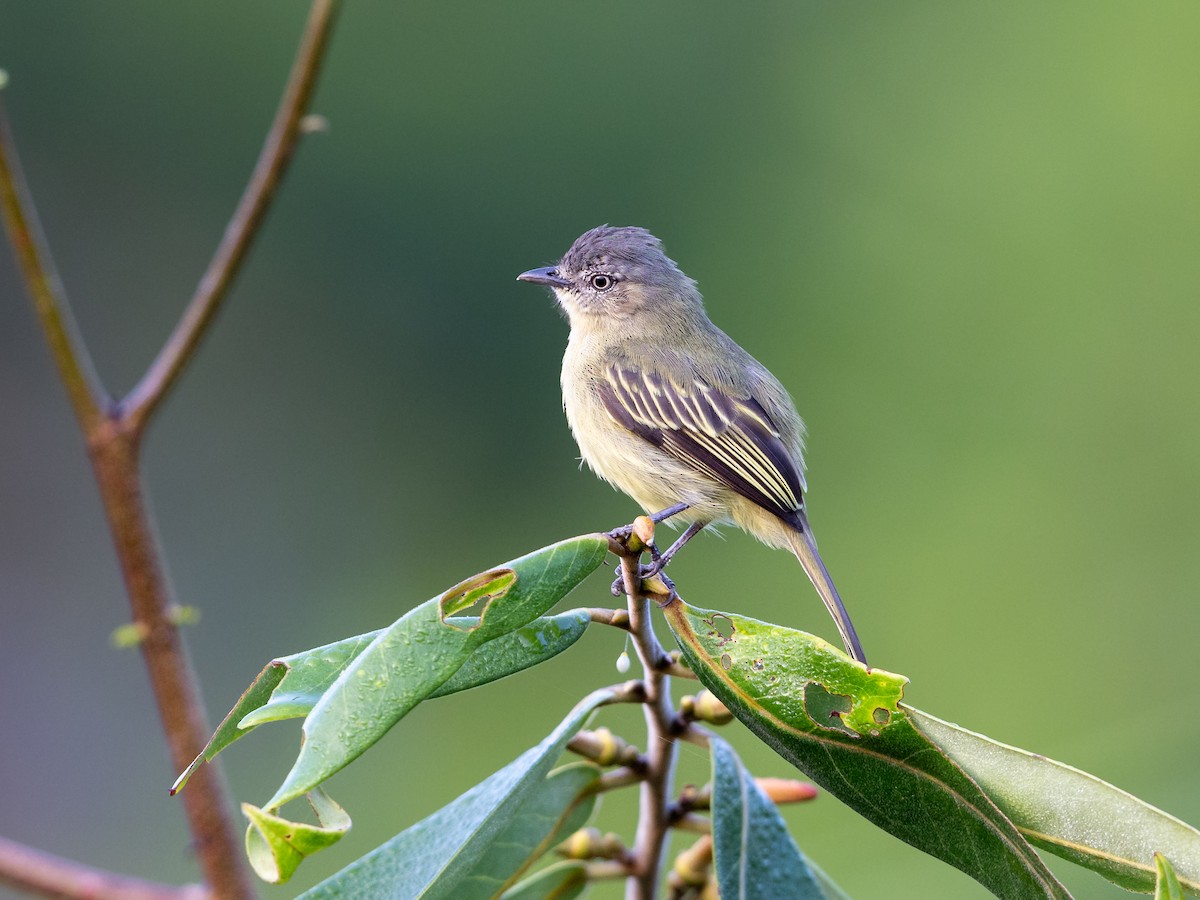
{"points": [[114, 435], [37, 872], [24, 233], [693, 823], [650, 844], [618, 618], [601, 871], [273, 160]]}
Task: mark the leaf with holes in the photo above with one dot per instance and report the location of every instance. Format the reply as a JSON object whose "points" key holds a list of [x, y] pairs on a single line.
{"points": [[289, 687], [410, 660], [755, 855], [435, 858], [276, 846], [842, 724]]}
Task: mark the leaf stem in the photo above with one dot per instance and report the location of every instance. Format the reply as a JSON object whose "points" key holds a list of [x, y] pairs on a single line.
{"points": [[606, 870]]}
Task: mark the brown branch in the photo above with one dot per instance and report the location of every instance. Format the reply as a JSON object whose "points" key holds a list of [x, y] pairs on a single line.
{"points": [[661, 726], [24, 233], [273, 161], [46, 875], [113, 438]]}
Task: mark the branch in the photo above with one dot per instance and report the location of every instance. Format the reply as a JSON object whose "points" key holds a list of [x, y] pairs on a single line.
{"points": [[70, 355], [113, 437], [273, 161], [661, 726], [47, 875]]}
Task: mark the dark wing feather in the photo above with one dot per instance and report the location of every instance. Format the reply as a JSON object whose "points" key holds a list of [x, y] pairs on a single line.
{"points": [[730, 439]]}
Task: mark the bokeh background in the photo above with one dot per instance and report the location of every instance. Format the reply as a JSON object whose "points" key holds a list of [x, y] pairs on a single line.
{"points": [[964, 235]]}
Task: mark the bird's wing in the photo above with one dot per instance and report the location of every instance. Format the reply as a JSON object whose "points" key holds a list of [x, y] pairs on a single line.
{"points": [[730, 439]]}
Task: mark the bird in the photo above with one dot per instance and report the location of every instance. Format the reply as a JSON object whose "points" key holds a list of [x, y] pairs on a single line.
{"points": [[671, 411]]}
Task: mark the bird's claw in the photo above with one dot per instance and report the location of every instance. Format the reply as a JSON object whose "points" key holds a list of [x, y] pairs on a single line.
{"points": [[618, 585], [621, 534], [645, 572]]}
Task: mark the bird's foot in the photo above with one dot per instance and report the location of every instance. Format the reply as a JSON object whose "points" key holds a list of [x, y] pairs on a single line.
{"points": [[622, 534], [653, 570]]}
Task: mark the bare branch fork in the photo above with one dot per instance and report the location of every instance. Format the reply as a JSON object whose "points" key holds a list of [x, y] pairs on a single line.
{"points": [[113, 431]]}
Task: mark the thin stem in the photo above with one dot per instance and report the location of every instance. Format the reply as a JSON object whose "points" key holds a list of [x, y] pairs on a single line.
{"points": [[46, 875], [650, 844], [24, 233], [607, 869], [618, 778], [693, 823], [273, 160], [618, 618]]}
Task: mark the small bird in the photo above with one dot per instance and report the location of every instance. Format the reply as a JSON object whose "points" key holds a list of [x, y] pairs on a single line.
{"points": [[669, 409]]}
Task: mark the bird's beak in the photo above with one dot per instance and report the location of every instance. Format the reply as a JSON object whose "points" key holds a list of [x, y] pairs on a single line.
{"points": [[549, 275]]}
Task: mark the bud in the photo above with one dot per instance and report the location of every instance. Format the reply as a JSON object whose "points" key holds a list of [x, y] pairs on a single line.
{"points": [[691, 866], [705, 707], [786, 790], [643, 527]]}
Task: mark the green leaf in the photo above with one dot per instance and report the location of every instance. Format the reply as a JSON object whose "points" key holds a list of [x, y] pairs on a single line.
{"points": [[291, 687], [562, 804], [540, 640], [258, 694], [562, 881], [1166, 885], [841, 723], [276, 846], [308, 676], [419, 653], [755, 855], [355, 689], [433, 858], [1071, 813]]}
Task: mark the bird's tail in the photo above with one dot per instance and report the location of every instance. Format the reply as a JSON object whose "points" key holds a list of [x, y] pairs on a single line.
{"points": [[805, 548]]}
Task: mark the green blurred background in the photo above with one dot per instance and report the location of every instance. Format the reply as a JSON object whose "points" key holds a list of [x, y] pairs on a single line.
{"points": [[965, 236]]}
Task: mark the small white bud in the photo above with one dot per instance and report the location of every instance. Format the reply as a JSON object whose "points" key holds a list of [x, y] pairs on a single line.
{"points": [[623, 662]]}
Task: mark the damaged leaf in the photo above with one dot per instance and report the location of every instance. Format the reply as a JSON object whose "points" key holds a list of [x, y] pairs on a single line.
{"points": [[292, 686], [477, 591], [863, 748], [289, 687], [410, 660], [275, 846]]}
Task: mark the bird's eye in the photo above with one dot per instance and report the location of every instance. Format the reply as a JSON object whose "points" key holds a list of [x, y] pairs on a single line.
{"points": [[602, 282]]}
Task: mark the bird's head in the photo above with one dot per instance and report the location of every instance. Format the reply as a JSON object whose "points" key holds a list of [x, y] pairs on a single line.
{"points": [[614, 275]]}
